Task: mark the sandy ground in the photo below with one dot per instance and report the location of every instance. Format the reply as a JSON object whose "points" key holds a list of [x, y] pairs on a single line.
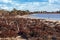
{"points": [[12, 38]]}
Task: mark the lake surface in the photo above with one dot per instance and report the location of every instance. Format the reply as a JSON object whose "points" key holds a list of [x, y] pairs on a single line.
{"points": [[47, 16]]}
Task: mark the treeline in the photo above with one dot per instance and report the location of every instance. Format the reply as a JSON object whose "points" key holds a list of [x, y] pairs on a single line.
{"points": [[14, 12], [47, 12], [20, 12]]}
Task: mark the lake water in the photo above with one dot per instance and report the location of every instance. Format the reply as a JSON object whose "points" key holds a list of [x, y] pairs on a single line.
{"points": [[47, 16]]}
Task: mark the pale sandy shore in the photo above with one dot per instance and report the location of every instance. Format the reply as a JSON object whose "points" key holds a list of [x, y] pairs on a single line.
{"points": [[12, 38], [32, 17]]}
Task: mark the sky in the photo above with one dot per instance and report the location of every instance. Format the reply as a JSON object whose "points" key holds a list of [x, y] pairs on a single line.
{"points": [[31, 5]]}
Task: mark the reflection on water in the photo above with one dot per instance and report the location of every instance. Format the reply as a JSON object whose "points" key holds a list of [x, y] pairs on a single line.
{"points": [[47, 16]]}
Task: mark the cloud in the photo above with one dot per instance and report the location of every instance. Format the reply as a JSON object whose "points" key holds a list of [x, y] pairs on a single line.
{"points": [[6, 1], [32, 6], [50, 8], [5, 7], [38, 6], [53, 1]]}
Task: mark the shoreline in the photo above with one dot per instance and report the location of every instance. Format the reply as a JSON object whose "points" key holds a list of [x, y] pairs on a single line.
{"points": [[32, 17]]}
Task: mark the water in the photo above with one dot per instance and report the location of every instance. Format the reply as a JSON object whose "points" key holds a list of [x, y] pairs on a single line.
{"points": [[47, 16]]}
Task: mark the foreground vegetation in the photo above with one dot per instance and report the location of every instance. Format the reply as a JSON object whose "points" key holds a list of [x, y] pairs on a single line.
{"points": [[29, 29]]}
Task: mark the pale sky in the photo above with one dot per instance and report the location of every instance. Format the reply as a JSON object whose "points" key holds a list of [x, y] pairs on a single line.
{"points": [[31, 5]]}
